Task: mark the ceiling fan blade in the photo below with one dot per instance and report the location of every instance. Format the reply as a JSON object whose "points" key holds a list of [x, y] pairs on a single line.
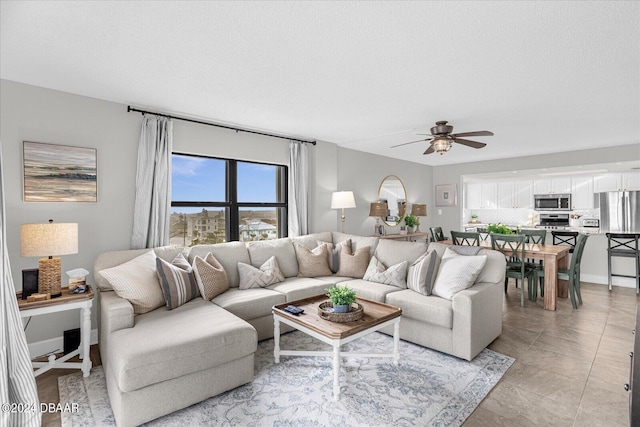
{"points": [[476, 133], [430, 150], [430, 136], [407, 143], [469, 143]]}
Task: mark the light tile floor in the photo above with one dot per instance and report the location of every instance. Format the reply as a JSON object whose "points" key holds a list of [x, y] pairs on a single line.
{"points": [[570, 369], [571, 365]]}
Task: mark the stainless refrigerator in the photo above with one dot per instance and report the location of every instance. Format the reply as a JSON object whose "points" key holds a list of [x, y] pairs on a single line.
{"points": [[619, 211]]}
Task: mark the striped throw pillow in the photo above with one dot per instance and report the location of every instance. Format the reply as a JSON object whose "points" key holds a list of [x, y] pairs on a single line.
{"points": [[422, 273], [177, 281]]}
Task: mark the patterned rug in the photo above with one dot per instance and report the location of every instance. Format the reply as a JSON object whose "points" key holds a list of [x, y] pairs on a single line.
{"points": [[427, 388]]}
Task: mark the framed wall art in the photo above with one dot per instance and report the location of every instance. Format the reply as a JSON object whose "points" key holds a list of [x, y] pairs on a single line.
{"points": [[59, 173], [447, 195]]}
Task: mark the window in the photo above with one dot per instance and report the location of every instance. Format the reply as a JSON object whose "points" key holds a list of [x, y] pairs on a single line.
{"points": [[217, 200]]}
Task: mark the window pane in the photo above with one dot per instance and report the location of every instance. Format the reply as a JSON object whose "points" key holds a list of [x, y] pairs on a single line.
{"points": [[197, 226], [258, 224], [257, 183], [197, 179]]}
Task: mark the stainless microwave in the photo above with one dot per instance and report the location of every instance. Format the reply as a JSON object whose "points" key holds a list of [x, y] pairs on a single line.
{"points": [[552, 202]]}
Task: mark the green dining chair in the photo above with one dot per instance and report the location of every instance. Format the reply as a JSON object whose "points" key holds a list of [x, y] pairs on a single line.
{"points": [[512, 246], [436, 234], [572, 274], [538, 237], [469, 238]]}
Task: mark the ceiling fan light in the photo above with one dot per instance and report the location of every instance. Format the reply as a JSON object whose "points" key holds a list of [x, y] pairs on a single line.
{"points": [[441, 145]]}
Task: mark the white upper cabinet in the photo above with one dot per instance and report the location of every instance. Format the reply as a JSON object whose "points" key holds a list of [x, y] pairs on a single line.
{"points": [[582, 192], [515, 194], [481, 195], [551, 186], [629, 181]]}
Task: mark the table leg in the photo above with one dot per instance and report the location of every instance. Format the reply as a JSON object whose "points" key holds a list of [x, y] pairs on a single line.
{"points": [[396, 341], [85, 340], [550, 282], [276, 339], [336, 371]]}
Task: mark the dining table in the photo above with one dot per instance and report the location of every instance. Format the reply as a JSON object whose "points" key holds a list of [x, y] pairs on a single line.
{"points": [[555, 257]]}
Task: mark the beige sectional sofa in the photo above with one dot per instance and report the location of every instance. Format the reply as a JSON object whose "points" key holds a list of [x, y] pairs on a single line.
{"points": [[164, 360]]}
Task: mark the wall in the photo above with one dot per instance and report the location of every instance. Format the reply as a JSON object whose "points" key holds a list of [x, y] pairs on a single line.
{"points": [[594, 265], [42, 115], [362, 173]]}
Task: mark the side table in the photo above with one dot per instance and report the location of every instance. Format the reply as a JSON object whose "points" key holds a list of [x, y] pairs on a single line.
{"points": [[65, 302]]}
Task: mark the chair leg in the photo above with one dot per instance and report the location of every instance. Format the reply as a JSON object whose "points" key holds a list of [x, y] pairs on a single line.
{"points": [[572, 291], [521, 293], [506, 283], [609, 269], [576, 287]]}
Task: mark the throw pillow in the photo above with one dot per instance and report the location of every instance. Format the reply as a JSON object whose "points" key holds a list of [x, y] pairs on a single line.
{"points": [[457, 272], [379, 273], [177, 281], [211, 277], [334, 252], [422, 273], [136, 281], [268, 274], [466, 249], [353, 265], [313, 263]]}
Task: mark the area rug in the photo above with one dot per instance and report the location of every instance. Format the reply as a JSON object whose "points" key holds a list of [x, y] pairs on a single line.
{"points": [[427, 388]]}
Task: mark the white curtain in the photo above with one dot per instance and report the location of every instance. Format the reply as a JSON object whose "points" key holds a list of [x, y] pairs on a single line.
{"points": [[298, 189], [152, 208], [17, 384]]}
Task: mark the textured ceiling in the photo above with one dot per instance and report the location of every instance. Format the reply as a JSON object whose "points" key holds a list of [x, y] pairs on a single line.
{"points": [[543, 76]]}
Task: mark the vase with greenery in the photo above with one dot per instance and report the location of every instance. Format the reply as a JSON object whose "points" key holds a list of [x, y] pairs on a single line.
{"points": [[499, 229], [411, 221], [341, 297], [474, 218]]}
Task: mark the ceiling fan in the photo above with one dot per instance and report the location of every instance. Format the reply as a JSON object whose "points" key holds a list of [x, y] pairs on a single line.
{"points": [[441, 138]]}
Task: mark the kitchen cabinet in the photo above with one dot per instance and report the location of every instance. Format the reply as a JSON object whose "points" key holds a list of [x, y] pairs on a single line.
{"points": [[481, 195], [515, 194], [552, 186], [582, 193], [616, 182]]}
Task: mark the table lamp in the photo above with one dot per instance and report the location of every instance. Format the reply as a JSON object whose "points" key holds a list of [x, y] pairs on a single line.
{"points": [[342, 200], [418, 210], [48, 240], [378, 209]]}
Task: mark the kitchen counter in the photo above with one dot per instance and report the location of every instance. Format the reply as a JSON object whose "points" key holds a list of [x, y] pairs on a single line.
{"points": [[584, 230]]}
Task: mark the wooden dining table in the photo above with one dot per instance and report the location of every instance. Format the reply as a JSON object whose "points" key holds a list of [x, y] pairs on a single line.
{"points": [[555, 257]]}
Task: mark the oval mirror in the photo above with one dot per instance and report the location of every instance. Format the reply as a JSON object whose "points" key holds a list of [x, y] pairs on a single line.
{"points": [[392, 192]]}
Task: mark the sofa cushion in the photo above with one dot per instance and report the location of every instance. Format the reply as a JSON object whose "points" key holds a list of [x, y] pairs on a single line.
{"points": [[282, 249], [295, 288], [250, 303], [428, 309], [164, 345], [456, 273], [313, 262], [422, 273], [228, 255], [392, 252], [136, 281], [311, 240], [210, 275], [353, 264], [393, 275], [177, 281], [252, 277], [370, 290]]}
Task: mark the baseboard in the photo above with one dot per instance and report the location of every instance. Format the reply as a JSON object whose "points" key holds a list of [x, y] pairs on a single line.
{"points": [[54, 345], [623, 282]]}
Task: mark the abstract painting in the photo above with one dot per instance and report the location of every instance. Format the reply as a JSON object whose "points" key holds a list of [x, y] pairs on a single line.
{"points": [[59, 173]]}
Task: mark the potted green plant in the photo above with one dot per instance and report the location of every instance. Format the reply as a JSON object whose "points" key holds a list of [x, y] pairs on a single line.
{"points": [[474, 218], [411, 222], [498, 229], [341, 297]]}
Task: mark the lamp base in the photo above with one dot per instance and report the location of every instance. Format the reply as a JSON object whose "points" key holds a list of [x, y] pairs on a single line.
{"points": [[49, 276]]}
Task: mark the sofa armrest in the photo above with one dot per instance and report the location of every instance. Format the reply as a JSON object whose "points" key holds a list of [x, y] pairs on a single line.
{"points": [[477, 318], [115, 313]]}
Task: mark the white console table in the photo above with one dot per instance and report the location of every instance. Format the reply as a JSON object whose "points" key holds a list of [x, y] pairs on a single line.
{"points": [[65, 302]]}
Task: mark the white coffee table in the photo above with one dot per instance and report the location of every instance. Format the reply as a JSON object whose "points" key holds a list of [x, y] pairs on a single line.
{"points": [[377, 316]]}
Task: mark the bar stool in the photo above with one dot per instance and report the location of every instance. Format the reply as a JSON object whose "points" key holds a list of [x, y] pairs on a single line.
{"points": [[624, 245], [565, 238]]}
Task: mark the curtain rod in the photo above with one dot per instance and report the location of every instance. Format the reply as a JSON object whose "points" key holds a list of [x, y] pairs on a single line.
{"points": [[131, 109]]}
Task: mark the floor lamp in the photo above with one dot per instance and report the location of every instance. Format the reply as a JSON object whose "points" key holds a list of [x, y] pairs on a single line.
{"points": [[342, 200]]}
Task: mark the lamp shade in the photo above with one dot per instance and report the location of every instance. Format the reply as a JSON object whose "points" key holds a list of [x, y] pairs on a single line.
{"points": [[419, 209], [342, 200], [48, 239], [378, 209]]}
